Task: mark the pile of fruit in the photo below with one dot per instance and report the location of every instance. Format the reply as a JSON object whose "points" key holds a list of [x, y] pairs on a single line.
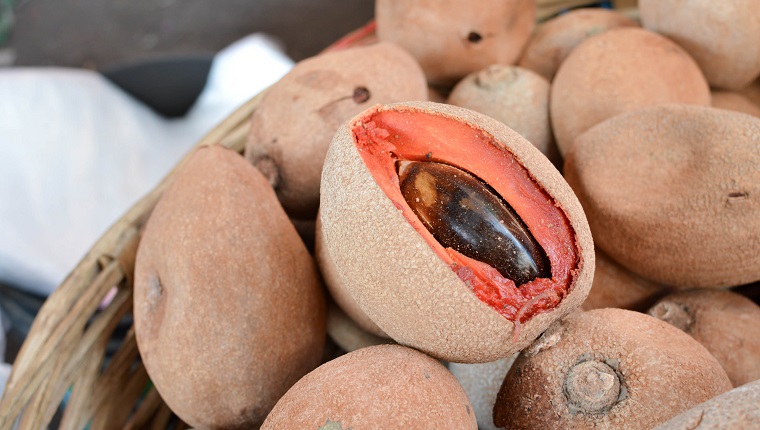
{"points": [[470, 221]]}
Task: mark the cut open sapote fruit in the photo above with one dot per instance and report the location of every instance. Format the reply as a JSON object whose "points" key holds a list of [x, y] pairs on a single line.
{"points": [[452, 232]]}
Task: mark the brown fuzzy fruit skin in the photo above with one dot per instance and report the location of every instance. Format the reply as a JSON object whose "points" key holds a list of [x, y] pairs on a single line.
{"points": [[617, 287], [672, 193], [513, 95], [725, 322], [229, 311], [384, 387], [337, 287], [618, 71], [292, 127], [398, 279], [722, 37], [734, 101], [553, 40], [646, 370], [736, 409], [453, 38]]}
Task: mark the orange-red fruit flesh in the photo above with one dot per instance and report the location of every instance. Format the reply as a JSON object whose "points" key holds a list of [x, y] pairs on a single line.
{"points": [[383, 137]]}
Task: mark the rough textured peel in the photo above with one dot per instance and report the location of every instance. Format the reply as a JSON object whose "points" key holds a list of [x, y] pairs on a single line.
{"points": [[617, 71], [383, 387], [672, 193], [607, 368], [402, 283], [229, 311]]}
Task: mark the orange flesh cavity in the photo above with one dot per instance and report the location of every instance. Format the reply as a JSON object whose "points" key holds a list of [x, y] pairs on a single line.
{"points": [[385, 136]]}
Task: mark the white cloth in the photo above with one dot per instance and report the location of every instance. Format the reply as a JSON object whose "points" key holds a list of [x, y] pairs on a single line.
{"points": [[76, 153]]}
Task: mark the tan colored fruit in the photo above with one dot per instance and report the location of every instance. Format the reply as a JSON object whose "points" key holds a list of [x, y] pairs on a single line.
{"points": [[726, 323], [672, 193], [721, 36], [515, 96], [383, 387], [607, 368], [453, 38], [735, 102], [553, 40], [229, 311], [736, 409], [434, 297], [619, 71], [617, 287], [292, 127]]}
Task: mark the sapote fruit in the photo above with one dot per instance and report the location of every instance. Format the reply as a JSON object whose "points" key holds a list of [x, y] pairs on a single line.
{"points": [[607, 368], [553, 40], [452, 232], [721, 36], [617, 71], [382, 387], [228, 307], [672, 193], [735, 409], [297, 117], [453, 38], [726, 323], [513, 95]]}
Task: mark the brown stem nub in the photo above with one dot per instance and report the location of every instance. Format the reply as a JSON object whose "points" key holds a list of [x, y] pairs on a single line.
{"points": [[675, 314], [592, 387]]}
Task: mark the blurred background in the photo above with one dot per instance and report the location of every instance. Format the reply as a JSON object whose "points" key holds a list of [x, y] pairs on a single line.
{"points": [[98, 34]]}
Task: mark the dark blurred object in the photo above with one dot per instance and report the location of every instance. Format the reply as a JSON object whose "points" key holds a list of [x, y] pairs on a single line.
{"points": [[751, 291], [168, 85], [100, 33]]}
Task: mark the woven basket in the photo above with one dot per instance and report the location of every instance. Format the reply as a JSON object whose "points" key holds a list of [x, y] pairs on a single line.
{"points": [[64, 355]]}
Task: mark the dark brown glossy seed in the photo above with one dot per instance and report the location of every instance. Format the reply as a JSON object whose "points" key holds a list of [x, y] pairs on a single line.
{"points": [[464, 214]]}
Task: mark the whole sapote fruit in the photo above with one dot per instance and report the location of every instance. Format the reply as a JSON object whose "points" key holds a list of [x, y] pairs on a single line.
{"points": [[721, 36], [513, 95], [617, 71], [228, 308], [453, 38], [724, 322], [452, 232], [384, 387], [607, 368], [553, 40], [297, 117], [672, 193]]}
